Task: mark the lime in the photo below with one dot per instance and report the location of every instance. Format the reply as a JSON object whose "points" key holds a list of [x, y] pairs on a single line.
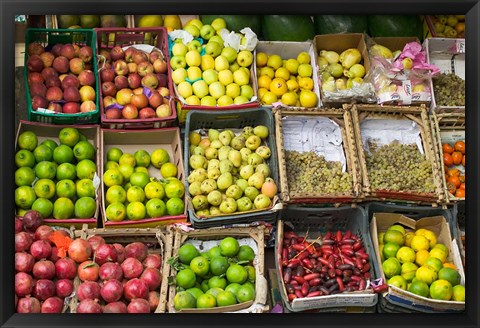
{"points": [[114, 154], [419, 288], [185, 278], [391, 267], [398, 281], [245, 253], [215, 251], [43, 206], [24, 158], [154, 189], [174, 188], [111, 165], [155, 208], [159, 157], [63, 154], [218, 265], [441, 289], [86, 169], [69, 136], [135, 194], [433, 263], [126, 171], [408, 238], [63, 208], [214, 291], [186, 253], [66, 188], [390, 249], [394, 236], [43, 153], [237, 273], [27, 140], [184, 300], [217, 281], [116, 212], [24, 197], [206, 301], [141, 169], [205, 255], [116, 194], [46, 170], [442, 247], [229, 246], [66, 171], [398, 228], [426, 274], [44, 188], [200, 266], [430, 235], [233, 288], [204, 286], [85, 188], [84, 150], [112, 177], [136, 211], [127, 159], [252, 274], [458, 293], [175, 206], [450, 275], [142, 158], [405, 254], [24, 176], [139, 179], [245, 293], [85, 208], [168, 170], [408, 271], [439, 254], [195, 291], [50, 143]]}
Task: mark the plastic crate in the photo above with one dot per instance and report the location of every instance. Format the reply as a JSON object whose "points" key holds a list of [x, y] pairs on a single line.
{"points": [[320, 220], [48, 38], [125, 37], [234, 120]]}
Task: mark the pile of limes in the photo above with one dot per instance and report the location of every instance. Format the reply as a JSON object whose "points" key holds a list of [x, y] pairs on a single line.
{"points": [[416, 262], [224, 275], [132, 193], [56, 179]]}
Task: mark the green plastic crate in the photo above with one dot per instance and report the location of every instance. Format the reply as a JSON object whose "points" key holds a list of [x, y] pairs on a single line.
{"points": [[48, 38], [233, 119]]}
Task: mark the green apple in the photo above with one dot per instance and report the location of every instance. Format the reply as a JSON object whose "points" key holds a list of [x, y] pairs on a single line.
{"points": [[210, 76], [292, 66], [193, 58], [224, 181], [246, 91], [218, 39], [208, 62], [219, 24], [305, 70], [234, 192], [244, 204], [233, 67], [221, 63], [228, 206], [200, 202], [240, 100], [179, 75], [185, 89], [207, 31], [245, 58], [225, 100], [247, 171], [192, 29], [213, 49], [200, 88], [251, 192], [216, 89], [208, 101], [241, 77], [230, 54], [213, 134], [254, 159], [214, 198], [178, 61], [232, 90], [179, 49], [194, 73], [262, 201], [225, 77], [256, 180], [261, 131], [194, 45]]}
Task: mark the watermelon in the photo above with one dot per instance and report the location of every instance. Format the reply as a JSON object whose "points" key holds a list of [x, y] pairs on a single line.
{"points": [[395, 25], [333, 24], [287, 28], [237, 22]]}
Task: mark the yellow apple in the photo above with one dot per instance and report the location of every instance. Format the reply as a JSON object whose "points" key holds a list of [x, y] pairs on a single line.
{"points": [[218, 24], [192, 100], [274, 61], [179, 75], [221, 63], [185, 89], [305, 70], [261, 59], [225, 77], [292, 65], [241, 77], [303, 58], [193, 58], [179, 49], [232, 90], [208, 62], [216, 89], [225, 100], [194, 72], [210, 76], [208, 101]]}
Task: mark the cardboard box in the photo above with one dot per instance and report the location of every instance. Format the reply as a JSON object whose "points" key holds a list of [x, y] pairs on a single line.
{"points": [[50, 131], [381, 222], [248, 236], [149, 140], [287, 50]]}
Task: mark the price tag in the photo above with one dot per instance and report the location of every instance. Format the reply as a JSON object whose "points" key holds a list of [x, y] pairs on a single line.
{"points": [[460, 47]]}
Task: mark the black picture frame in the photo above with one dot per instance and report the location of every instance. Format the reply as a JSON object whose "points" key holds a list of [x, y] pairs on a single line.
{"points": [[7, 130]]}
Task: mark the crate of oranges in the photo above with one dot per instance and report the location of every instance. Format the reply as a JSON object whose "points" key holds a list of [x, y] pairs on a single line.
{"points": [[449, 138]]}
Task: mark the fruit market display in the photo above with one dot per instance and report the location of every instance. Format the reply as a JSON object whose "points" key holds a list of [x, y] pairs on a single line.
{"points": [[334, 263], [414, 261], [229, 171], [131, 193], [134, 83], [309, 172], [287, 80], [56, 179], [220, 276], [448, 26], [449, 89], [454, 167], [210, 71], [61, 78], [91, 21]]}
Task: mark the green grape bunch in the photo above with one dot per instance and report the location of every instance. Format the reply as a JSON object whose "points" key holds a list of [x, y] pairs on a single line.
{"points": [[449, 90]]}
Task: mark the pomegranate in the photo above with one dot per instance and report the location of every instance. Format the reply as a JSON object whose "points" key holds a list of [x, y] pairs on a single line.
{"points": [[43, 232], [115, 307], [44, 289], [110, 270], [96, 241], [44, 269], [138, 305], [132, 268], [24, 262], [80, 250], [135, 288], [88, 290], [153, 300], [52, 305], [18, 225], [120, 252], [153, 261], [54, 257], [137, 250], [23, 241], [89, 306], [105, 253], [28, 305], [23, 284], [32, 220], [63, 288], [41, 249], [111, 291], [152, 278], [88, 270], [65, 268]]}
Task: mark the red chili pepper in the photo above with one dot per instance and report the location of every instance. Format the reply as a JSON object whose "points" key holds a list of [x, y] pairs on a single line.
{"points": [[284, 253], [347, 235], [348, 260], [349, 241], [293, 263], [346, 247], [352, 283], [328, 235], [303, 255], [357, 245], [314, 294], [298, 247], [293, 283], [323, 261], [348, 252], [298, 279], [289, 234], [367, 275], [315, 282], [311, 276], [305, 288], [331, 273], [358, 263], [362, 255], [299, 294], [338, 272], [341, 287], [284, 262], [300, 271], [362, 285], [366, 268], [307, 263], [356, 278], [338, 236], [331, 262]]}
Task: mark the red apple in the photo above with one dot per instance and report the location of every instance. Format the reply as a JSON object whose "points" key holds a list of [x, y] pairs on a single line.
{"points": [[140, 100], [49, 71], [54, 94], [117, 53], [86, 54], [56, 49], [134, 80], [113, 113], [109, 101], [163, 110], [139, 56], [120, 67], [38, 89], [39, 102], [35, 48], [35, 77], [155, 99], [70, 81], [47, 58], [129, 112], [35, 63], [67, 51], [104, 54], [71, 94], [76, 65], [87, 106], [138, 91], [146, 112], [150, 80], [154, 55], [76, 49], [109, 89], [162, 79], [53, 81], [107, 75], [121, 82], [61, 64], [164, 91], [129, 54], [56, 107], [144, 68], [86, 77], [160, 66], [71, 108], [132, 68]]}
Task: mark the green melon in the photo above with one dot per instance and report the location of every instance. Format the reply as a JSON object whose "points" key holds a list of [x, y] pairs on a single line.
{"points": [[287, 28], [395, 25], [333, 24]]}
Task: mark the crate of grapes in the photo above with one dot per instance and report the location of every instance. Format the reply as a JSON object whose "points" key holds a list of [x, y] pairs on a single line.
{"points": [[317, 158], [448, 131], [396, 153]]}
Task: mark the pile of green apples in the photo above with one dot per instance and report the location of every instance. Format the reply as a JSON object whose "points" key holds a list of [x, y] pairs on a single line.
{"points": [[205, 72], [229, 172]]}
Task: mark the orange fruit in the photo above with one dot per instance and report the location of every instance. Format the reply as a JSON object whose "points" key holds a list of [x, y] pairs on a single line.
{"points": [[455, 180], [460, 193], [459, 146], [447, 148], [447, 159], [457, 157]]}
